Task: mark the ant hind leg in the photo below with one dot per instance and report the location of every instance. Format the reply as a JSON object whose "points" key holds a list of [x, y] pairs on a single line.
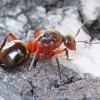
{"points": [[5, 39]]}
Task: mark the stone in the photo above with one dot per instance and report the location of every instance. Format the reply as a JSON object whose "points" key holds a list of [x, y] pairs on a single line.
{"points": [[22, 18], [1, 98], [79, 90]]}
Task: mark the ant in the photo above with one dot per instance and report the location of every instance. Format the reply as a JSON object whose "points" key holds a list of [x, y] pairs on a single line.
{"points": [[16, 53]]}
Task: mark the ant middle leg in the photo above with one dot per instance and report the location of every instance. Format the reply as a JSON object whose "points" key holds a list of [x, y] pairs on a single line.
{"points": [[52, 53]]}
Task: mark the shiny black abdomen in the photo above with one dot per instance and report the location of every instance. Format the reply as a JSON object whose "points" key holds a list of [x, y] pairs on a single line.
{"points": [[14, 54]]}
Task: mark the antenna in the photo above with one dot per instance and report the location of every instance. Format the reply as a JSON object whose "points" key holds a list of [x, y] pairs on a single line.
{"points": [[81, 27]]}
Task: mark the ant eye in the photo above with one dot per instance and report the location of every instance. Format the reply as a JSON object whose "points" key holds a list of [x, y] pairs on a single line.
{"points": [[69, 43], [66, 41]]}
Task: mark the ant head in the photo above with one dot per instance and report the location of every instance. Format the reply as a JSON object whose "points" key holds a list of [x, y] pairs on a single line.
{"points": [[69, 42]]}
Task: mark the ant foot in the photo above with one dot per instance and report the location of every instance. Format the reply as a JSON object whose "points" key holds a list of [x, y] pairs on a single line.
{"points": [[69, 59]]}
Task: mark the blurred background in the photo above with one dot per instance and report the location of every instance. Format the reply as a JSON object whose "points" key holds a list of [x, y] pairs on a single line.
{"points": [[20, 16]]}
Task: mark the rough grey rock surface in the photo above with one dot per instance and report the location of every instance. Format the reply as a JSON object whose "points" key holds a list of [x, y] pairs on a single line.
{"points": [[20, 17], [42, 82], [81, 91]]}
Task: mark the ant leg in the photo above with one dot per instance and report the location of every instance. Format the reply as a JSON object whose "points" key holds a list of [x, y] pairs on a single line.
{"points": [[66, 53], [37, 32], [35, 58], [52, 53], [35, 62], [59, 70], [5, 39], [81, 27]]}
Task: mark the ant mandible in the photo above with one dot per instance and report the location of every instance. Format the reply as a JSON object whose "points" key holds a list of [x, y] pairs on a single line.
{"points": [[15, 53]]}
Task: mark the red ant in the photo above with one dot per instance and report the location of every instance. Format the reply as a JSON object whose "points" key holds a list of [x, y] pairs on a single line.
{"points": [[16, 52]]}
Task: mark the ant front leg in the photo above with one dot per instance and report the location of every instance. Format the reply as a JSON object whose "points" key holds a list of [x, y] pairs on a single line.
{"points": [[5, 39], [37, 32]]}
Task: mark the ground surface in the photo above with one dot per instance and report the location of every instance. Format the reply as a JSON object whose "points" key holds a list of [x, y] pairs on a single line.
{"points": [[42, 82]]}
